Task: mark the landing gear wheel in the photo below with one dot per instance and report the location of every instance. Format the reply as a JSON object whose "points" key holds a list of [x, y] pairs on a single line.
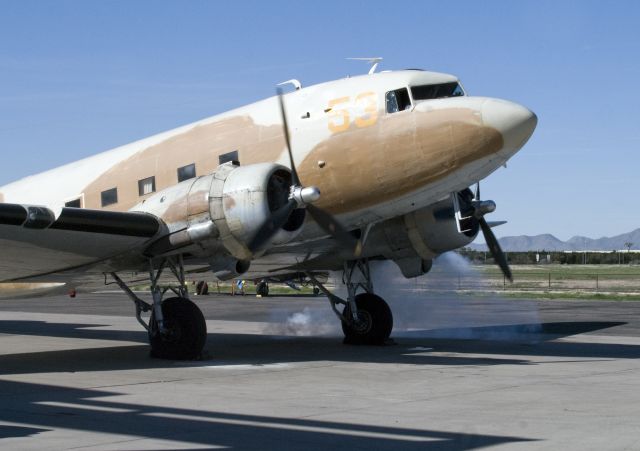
{"points": [[262, 289], [186, 331], [375, 321], [316, 291]]}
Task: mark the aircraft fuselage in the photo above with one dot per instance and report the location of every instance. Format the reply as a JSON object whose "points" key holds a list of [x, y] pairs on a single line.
{"points": [[373, 148]]}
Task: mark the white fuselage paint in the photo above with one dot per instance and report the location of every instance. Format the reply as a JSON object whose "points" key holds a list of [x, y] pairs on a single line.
{"points": [[55, 187]]}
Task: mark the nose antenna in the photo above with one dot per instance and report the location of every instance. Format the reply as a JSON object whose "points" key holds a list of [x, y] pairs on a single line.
{"points": [[374, 61]]}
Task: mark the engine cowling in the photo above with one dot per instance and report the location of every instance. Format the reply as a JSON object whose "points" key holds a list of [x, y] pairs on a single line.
{"points": [[434, 230], [247, 197], [217, 215], [412, 241]]}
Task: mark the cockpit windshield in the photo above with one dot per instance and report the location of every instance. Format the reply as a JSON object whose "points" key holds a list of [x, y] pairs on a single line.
{"points": [[439, 91]]}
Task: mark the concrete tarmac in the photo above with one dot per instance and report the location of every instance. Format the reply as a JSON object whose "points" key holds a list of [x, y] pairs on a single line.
{"points": [[464, 373]]}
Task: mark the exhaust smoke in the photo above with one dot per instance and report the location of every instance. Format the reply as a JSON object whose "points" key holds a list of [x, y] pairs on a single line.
{"points": [[318, 320], [434, 306], [429, 306]]}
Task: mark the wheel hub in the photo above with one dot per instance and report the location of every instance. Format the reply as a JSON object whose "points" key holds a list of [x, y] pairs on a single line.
{"points": [[173, 333], [364, 322]]}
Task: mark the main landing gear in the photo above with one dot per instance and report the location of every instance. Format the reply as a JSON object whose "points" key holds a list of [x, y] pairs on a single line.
{"points": [[177, 328], [366, 318]]}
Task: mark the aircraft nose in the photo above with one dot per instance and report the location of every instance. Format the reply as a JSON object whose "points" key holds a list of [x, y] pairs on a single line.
{"points": [[514, 122]]}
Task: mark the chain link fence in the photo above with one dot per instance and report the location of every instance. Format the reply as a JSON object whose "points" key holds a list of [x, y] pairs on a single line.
{"points": [[533, 281]]}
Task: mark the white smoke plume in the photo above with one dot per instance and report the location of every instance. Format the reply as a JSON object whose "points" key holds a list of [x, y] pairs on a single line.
{"points": [[427, 306], [318, 320], [431, 305]]}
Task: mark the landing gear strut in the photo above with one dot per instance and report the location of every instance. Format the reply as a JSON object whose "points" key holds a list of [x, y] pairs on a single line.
{"points": [[177, 329], [366, 318]]}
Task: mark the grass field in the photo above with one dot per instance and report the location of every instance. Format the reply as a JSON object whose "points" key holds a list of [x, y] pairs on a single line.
{"points": [[606, 282], [568, 295], [619, 282], [250, 289], [564, 270], [598, 282]]}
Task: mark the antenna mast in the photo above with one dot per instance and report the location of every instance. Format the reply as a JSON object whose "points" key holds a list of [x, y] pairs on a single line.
{"points": [[373, 61]]}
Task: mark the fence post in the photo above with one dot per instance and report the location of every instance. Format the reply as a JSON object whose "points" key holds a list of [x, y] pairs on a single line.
{"points": [[549, 280], [504, 282], [597, 283]]}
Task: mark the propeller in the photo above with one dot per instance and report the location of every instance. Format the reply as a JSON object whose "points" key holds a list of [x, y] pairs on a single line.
{"points": [[481, 208], [301, 197], [495, 249]]}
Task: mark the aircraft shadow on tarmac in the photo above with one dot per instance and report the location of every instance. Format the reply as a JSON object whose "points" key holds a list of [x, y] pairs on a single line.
{"points": [[18, 431], [494, 345], [46, 407]]}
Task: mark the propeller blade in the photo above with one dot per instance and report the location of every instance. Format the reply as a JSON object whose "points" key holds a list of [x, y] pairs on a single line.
{"points": [[494, 248], [285, 126], [327, 222], [272, 225], [330, 225]]}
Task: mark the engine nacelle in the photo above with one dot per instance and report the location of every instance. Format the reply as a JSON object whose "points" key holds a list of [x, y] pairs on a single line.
{"points": [[415, 239], [248, 198], [217, 215], [434, 230]]}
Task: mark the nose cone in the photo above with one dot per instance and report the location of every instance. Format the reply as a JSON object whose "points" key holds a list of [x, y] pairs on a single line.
{"points": [[514, 122]]}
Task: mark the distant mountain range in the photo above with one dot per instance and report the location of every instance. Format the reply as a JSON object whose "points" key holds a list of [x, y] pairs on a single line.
{"points": [[549, 242]]}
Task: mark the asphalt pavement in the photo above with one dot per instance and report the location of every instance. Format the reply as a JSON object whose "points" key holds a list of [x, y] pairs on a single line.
{"points": [[462, 373]]}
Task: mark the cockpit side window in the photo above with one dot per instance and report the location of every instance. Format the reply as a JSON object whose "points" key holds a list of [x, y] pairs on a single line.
{"points": [[438, 91], [398, 100]]}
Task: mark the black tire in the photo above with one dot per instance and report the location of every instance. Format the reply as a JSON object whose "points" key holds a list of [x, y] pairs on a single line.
{"points": [[376, 321], [262, 288], [187, 331], [316, 291]]}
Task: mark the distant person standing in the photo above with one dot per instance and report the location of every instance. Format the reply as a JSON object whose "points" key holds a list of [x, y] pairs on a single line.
{"points": [[237, 287]]}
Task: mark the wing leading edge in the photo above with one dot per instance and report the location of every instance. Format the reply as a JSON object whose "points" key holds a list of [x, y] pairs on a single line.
{"points": [[35, 242]]}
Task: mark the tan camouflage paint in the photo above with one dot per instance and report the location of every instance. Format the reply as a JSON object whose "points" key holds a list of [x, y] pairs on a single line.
{"points": [[201, 145], [363, 166], [405, 151]]}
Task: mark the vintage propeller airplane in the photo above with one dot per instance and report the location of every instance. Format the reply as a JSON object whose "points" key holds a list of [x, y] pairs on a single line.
{"points": [[322, 178]]}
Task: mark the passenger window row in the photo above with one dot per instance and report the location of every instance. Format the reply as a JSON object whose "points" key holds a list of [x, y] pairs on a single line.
{"points": [[145, 186], [148, 185]]}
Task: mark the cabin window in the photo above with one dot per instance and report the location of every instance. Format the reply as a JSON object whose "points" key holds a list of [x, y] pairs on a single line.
{"points": [[109, 197], [398, 100], [147, 186], [75, 203], [186, 172], [229, 156], [438, 91]]}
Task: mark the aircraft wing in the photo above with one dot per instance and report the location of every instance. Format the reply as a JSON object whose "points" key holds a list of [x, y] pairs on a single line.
{"points": [[34, 241]]}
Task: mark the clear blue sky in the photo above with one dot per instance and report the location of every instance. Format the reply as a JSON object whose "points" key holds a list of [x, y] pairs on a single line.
{"points": [[79, 77]]}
